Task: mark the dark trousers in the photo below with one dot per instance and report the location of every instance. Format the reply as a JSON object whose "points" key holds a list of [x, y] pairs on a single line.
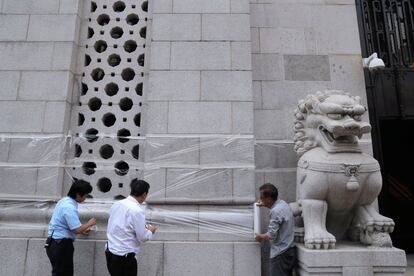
{"points": [[121, 265], [60, 253], [283, 264]]}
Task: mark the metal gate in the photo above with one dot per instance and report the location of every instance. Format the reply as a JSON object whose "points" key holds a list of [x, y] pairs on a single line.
{"points": [[387, 28]]}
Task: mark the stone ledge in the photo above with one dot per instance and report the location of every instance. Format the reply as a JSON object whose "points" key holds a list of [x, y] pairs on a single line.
{"points": [[351, 259]]}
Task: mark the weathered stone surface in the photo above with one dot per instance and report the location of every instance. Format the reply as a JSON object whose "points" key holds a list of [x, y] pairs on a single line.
{"points": [[157, 117], [48, 85], [30, 6], [162, 6], [242, 117], [199, 117], [174, 85], [307, 68], [226, 85], [241, 58], [9, 83], [25, 56], [199, 258], [234, 27], [13, 27], [200, 55], [267, 67], [53, 28], [201, 6], [246, 259], [171, 27], [13, 262], [21, 116], [160, 55]]}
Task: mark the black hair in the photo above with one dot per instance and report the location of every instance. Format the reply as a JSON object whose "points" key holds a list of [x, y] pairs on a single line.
{"points": [[269, 191], [139, 187], [80, 187]]}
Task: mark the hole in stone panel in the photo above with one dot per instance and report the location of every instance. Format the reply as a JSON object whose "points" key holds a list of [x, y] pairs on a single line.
{"points": [[128, 74], [119, 6], [90, 32], [143, 32], [135, 151], [123, 134], [131, 32], [111, 89], [90, 151], [100, 46], [118, 19], [110, 103], [132, 19], [128, 59], [114, 60], [108, 119], [140, 104], [93, 6], [121, 168], [122, 151], [95, 104], [97, 74], [141, 60], [96, 89], [119, 197], [144, 6], [116, 32], [91, 135], [137, 119], [124, 119], [102, 32], [89, 168], [125, 104], [120, 185], [103, 19], [93, 119], [126, 89], [112, 74], [87, 60], [78, 150], [81, 119], [138, 89], [133, 6], [84, 89], [130, 46], [98, 60], [104, 184], [106, 151], [115, 46]]}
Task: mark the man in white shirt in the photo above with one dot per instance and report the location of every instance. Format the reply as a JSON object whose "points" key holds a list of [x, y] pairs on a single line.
{"points": [[127, 230]]}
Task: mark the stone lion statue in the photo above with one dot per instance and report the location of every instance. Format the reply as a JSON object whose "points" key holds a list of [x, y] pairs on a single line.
{"points": [[337, 184]]}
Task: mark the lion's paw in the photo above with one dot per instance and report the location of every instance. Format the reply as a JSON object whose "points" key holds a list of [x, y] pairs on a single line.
{"points": [[320, 240]]}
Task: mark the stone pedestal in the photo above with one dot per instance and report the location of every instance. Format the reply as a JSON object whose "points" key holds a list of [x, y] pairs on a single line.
{"points": [[351, 259]]}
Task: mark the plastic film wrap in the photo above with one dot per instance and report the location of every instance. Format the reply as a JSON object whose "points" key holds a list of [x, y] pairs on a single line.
{"points": [[201, 185]]}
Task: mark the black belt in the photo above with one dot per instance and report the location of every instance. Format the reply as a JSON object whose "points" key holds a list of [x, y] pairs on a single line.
{"points": [[62, 240], [127, 255]]}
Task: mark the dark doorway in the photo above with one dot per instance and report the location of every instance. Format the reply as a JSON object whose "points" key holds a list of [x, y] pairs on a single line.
{"points": [[387, 28]]}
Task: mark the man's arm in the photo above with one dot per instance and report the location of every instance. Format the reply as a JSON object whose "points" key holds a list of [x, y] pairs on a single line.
{"points": [[74, 224], [80, 230], [142, 233], [272, 230]]}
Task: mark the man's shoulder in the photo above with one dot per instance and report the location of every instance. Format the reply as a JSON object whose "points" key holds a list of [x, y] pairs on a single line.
{"points": [[66, 202], [280, 207]]}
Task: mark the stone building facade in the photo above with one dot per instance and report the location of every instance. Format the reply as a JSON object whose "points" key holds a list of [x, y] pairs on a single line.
{"points": [[194, 96]]}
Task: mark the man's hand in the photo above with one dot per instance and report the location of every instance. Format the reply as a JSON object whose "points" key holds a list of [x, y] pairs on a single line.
{"points": [[152, 228], [91, 222], [262, 237], [259, 203]]}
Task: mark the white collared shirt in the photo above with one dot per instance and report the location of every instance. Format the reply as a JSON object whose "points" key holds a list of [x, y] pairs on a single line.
{"points": [[126, 227]]}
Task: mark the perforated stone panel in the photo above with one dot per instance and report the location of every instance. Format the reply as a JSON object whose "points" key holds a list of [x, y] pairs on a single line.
{"points": [[106, 120]]}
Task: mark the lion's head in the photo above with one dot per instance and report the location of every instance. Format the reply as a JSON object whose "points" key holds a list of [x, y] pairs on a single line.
{"points": [[331, 119]]}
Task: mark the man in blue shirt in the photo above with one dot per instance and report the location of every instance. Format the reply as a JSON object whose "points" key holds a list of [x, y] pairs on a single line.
{"points": [[280, 232], [63, 228]]}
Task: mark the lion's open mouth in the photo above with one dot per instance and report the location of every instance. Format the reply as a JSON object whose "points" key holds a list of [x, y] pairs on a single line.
{"points": [[338, 138]]}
